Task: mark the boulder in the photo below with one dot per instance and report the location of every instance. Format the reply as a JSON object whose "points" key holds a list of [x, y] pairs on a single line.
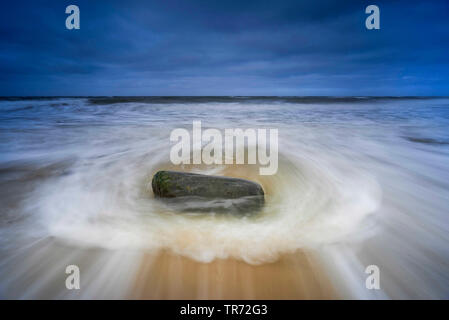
{"points": [[197, 192], [171, 184]]}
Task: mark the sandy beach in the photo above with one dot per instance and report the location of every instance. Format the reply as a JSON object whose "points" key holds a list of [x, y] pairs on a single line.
{"points": [[169, 276]]}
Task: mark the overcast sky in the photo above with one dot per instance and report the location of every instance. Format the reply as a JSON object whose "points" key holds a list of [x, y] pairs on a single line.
{"points": [[244, 47]]}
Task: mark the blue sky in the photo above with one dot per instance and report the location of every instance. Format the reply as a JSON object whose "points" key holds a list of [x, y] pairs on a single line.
{"points": [[246, 47]]}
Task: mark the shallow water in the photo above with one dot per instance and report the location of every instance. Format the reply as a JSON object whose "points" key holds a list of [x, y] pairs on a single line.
{"points": [[361, 181]]}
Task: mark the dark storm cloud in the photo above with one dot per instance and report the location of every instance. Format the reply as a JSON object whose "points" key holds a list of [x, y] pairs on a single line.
{"points": [[224, 48]]}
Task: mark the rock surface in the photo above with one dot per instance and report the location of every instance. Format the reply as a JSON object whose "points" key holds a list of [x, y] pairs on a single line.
{"points": [[173, 184]]}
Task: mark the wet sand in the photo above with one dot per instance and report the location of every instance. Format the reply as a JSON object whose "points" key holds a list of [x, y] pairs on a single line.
{"points": [[169, 276], [128, 274]]}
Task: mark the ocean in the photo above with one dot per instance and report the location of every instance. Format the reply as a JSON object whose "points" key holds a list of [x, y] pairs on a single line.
{"points": [[361, 181]]}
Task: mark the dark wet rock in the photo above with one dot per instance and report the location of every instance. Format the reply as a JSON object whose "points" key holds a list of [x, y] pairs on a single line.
{"points": [[171, 184], [203, 193], [426, 140]]}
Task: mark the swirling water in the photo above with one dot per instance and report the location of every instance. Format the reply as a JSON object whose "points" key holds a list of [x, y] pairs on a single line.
{"points": [[361, 181]]}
